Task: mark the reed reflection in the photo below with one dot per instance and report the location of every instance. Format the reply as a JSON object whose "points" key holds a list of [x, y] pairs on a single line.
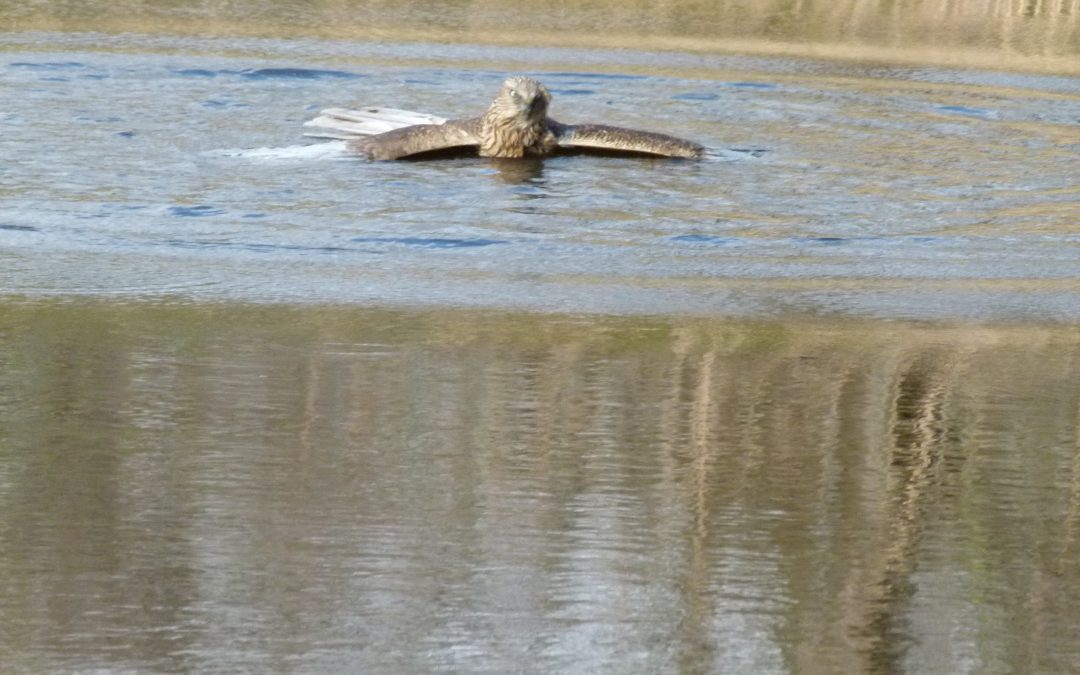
{"points": [[766, 496]]}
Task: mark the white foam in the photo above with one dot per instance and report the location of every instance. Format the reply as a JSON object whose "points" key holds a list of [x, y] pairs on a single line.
{"points": [[317, 151]]}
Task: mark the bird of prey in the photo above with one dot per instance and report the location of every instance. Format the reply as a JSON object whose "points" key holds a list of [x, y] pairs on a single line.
{"points": [[515, 125]]}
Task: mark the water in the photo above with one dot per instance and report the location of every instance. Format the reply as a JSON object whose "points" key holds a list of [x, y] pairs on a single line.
{"points": [[809, 405], [220, 487], [920, 194]]}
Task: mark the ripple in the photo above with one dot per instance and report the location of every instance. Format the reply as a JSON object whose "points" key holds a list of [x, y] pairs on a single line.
{"points": [[272, 73], [195, 211], [967, 111], [259, 247], [298, 74], [753, 152], [48, 65], [696, 96], [431, 242], [751, 85], [704, 239], [214, 103], [198, 72]]}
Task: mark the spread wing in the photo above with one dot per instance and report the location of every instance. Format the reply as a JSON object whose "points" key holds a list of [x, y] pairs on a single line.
{"points": [[618, 139], [345, 124], [419, 139]]}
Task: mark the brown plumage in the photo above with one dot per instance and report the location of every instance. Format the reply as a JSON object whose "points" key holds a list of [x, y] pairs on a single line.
{"points": [[515, 124]]}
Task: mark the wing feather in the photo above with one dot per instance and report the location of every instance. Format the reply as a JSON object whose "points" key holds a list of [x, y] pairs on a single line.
{"points": [[418, 139], [618, 139], [344, 123]]}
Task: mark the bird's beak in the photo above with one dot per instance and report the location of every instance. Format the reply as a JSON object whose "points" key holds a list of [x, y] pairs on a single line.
{"points": [[535, 105]]}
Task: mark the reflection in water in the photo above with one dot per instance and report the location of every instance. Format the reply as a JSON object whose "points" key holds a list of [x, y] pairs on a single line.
{"points": [[915, 460], [520, 171], [320, 489]]}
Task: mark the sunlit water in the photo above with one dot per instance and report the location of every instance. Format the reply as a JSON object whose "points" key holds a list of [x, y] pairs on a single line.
{"points": [[266, 408], [831, 188]]}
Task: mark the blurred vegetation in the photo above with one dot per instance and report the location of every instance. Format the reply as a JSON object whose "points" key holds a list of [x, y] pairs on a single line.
{"points": [[864, 457], [1025, 34]]}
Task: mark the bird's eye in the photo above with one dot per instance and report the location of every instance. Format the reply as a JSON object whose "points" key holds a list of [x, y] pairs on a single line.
{"points": [[516, 96]]}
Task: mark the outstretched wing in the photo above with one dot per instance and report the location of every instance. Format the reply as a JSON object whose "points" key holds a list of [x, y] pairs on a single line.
{"points": [[418, 139], [618, 139], [345, 124]]}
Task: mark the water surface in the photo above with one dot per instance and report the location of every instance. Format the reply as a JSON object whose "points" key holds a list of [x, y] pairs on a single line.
{"points": [[831, 188], [809, 405], [234, 488]]}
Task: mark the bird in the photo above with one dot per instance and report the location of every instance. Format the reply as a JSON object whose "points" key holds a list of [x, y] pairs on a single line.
{"points": [[515, 125]]}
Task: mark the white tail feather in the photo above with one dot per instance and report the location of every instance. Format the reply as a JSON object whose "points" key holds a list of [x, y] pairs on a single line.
{"points": [[343, 124]]}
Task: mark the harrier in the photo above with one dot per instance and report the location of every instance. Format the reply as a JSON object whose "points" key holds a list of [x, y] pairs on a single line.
{"points": [[515, 125]]}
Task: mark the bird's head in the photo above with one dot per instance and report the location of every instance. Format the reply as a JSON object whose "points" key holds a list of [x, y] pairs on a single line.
{"points": [[523, 99]]}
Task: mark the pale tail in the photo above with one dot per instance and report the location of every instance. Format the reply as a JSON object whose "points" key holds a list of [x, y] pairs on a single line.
{"points": [[343, 124]]}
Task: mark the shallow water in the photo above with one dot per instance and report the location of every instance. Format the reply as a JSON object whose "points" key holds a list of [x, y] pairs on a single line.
{"points": [[257, 488], [266, 408], [832, 188]]}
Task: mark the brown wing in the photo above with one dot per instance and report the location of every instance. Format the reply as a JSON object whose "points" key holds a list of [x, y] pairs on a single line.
{"points": [[418, 139], [618, 139]]}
